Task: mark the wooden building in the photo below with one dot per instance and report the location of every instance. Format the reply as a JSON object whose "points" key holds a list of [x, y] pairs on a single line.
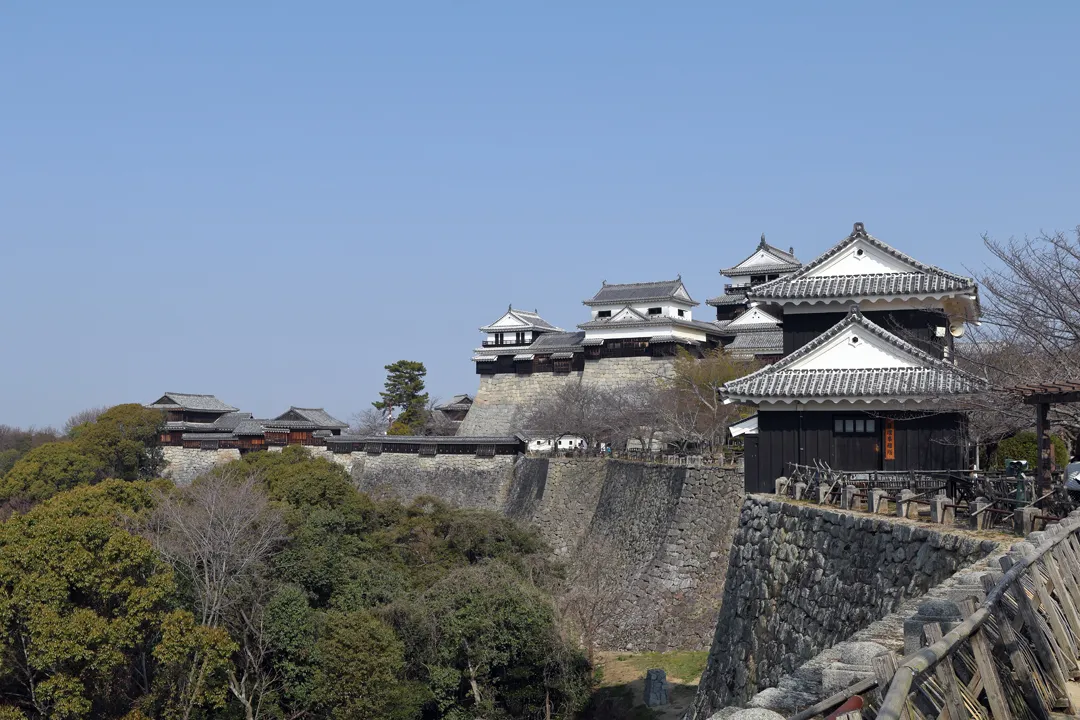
{"points": [[753, 332], [866, 381], [204, 422], [649, 319]]}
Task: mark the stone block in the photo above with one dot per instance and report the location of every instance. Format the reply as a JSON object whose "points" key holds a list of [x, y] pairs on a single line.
{"points": [[878, 501], [1024, 519], [656, 689]]}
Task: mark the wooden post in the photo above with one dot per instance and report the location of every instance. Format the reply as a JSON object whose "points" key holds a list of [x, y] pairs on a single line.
{"points": [[943, 670], [995, 694], [1046, 457]]}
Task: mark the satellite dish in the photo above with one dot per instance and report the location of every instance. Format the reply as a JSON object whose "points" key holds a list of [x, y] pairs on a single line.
{"points": [[956, 329]]}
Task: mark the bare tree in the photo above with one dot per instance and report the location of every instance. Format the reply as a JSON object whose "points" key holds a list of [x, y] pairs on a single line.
{"points": [[1033, 309], [576, 409], [219, 534], [595, 588], [692, 409], [369, 423], [82, 417]]}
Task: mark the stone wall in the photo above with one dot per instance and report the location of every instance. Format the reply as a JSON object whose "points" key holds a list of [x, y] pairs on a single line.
{"points": [[185, 464], [803, 578], [461, 480], [504, 400], [661, 532]]}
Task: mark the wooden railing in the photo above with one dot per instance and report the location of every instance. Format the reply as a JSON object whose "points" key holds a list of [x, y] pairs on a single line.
{"points": [[1017, 655]]}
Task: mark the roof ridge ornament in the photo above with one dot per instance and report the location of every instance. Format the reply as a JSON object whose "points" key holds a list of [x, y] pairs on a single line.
{"points": [[854, 312], [859, 230], [762, 243]]}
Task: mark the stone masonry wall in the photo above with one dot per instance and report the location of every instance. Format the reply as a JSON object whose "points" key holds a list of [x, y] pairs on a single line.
{"points": [[663, 531], [803, 578], [504, 400], [461, 480], [185, 464]]}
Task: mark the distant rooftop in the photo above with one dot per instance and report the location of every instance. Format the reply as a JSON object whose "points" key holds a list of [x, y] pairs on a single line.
{"points": [[190, 401], [626, 293]]}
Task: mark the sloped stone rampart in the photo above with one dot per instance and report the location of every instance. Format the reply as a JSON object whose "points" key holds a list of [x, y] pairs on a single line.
{"points": [[504, 400], [665, 530], [803, 578]]}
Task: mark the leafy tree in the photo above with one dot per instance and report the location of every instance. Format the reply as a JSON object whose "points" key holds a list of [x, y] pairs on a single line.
{"points": [[404, 389], [122, 443], [193, 667], [485, 642], [82, 602], [1024, 446], [357, 676], [126, 440], [49, 469]]}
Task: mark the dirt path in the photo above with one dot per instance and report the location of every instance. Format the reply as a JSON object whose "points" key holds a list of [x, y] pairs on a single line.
{"points": [[625, 672]]}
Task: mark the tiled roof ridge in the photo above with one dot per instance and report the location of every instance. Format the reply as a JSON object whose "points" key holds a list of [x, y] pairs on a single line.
{"points": [[854, 317], [668, 292], [764, 245], [859, 233]]}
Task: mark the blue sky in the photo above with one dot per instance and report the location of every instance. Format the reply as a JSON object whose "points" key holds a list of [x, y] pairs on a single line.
{"points": [[271, 201]]}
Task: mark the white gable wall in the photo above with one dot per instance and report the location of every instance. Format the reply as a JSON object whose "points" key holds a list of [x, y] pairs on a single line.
{"points": [[761, 258], [668, 308], [861, 258], [753, 316], [856, 349]]}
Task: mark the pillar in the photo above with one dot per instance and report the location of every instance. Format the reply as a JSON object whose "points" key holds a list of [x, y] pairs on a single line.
{"points": [[1045, 461], [878, 501], [848, 502], [1024, 519], [904, 506], [800, 490], [980, 521]]}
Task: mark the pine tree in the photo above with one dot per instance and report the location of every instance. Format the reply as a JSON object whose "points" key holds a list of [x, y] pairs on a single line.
{"points": [[404, 390]]}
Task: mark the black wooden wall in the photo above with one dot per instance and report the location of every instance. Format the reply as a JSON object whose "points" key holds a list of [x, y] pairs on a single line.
{"points": [[923, 442], [915, 326]]}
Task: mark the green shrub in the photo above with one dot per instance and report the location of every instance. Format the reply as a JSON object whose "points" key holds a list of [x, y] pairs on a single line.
{"points": [[1024, 446]]}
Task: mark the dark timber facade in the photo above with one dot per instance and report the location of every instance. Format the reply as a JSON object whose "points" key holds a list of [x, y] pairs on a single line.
{"points": [[866, 380]]}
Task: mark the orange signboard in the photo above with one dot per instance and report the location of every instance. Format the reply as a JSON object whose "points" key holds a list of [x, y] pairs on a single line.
{"points": [[890, 439]]}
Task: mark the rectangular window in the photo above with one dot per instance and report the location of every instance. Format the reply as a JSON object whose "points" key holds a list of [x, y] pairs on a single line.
{"points": [[519, 338], [854, 425], [603, 313], [681, 313], [498, 338], [655, 311]]}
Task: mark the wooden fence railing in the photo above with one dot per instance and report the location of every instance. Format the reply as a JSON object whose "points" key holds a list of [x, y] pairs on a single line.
{"points": [[1017, 655]]}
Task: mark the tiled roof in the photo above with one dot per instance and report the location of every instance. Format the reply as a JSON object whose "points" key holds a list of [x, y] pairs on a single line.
{"points": [[528, 320], [842, 286], [316, 416], [546, 343], [922, 280], [649, 321], [739, 299], [639, 292], [762, 269], [188, 401], [458, 402], [788, 261], [768, 342], [229, 421], [551, 342], [250, 427], [935, 377]]}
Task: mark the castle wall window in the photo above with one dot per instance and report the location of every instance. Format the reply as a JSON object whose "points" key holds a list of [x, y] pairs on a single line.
{"points": [[603, 313], [655, 311], [498, 338], [850, 425], [519, 338], [682, 313]]}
